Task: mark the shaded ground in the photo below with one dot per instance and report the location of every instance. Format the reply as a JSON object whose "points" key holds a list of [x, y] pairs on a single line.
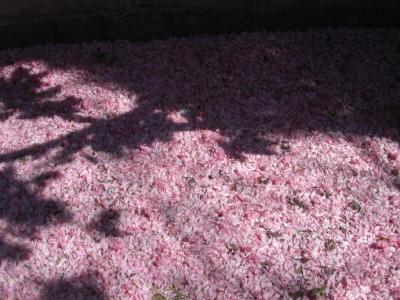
{"points": [[253, 166]]}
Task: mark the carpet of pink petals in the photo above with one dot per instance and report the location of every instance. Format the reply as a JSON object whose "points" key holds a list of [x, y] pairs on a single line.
{"points": [[251, 166]]}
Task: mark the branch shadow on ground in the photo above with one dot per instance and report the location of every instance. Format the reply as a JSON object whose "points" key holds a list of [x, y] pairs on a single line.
{"points": [[106, 223], [249, 92], [324, 83], [26, 96], [23, 208], [81, 287], [13, 252]]}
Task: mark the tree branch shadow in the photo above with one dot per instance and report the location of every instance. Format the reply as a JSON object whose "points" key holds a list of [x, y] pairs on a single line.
{"points": [[22, 207], [13, 252], [106, 224], [23, 93], [290, 95], [80, 287]]}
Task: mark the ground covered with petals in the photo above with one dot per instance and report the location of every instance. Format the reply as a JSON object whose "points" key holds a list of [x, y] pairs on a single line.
{"points": [[251, 166]]}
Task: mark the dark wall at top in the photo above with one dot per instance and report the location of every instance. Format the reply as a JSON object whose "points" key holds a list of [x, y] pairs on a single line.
{"points": [[27, 22]]}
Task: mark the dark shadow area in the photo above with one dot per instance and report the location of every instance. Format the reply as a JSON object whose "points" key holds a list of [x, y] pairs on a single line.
{"points": [[82, 287], [13, 252], [258, 94], [24, 209], [26, 96], [344, 84], [106, 223]]}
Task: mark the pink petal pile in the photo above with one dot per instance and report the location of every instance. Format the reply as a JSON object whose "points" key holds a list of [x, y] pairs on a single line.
{"points": [[251, 166]]}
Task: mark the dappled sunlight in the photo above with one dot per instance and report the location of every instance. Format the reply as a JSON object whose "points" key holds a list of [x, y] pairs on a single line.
{"points": [[252, 166]]}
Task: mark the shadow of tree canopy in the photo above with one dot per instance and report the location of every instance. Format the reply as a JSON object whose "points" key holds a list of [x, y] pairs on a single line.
{"points": [[248, 91], [106, 223], [23, 208], [24, 95], [252, 92], [12, 252], [80, 287]]}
